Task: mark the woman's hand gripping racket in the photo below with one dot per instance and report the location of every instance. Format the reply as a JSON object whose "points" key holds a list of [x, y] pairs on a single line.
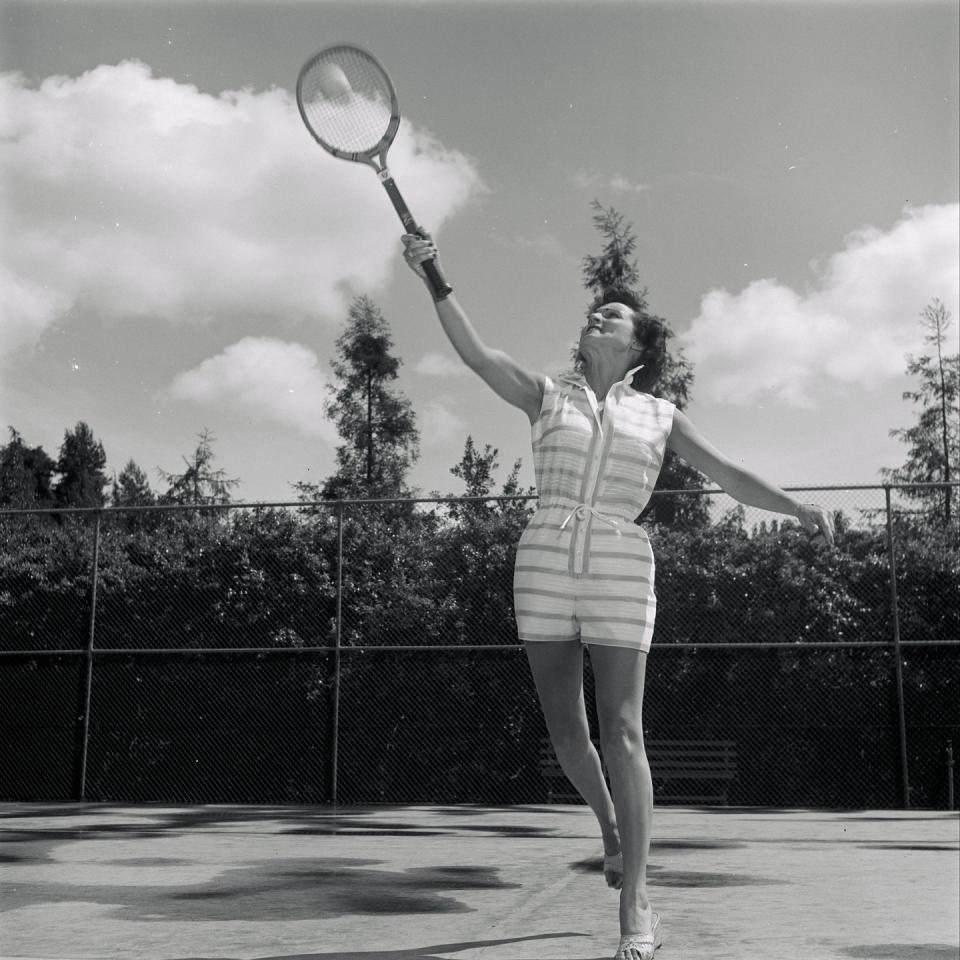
{"points": [[348, 104]]}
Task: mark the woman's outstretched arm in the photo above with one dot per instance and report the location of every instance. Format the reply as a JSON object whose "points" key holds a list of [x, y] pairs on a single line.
{"points": [[742, 484], [518, 386]]}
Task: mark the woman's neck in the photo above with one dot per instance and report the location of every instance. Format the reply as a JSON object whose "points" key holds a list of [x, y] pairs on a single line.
{"points": [[602, 376]]}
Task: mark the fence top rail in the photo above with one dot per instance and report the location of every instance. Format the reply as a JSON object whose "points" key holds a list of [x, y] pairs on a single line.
{"points": [[513, 498], [795, 647]]}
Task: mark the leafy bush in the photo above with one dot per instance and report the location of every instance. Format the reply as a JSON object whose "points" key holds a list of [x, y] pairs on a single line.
{"points": [[813, 725]]}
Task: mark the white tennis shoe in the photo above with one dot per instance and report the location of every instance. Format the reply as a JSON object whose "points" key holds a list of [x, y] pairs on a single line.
{"points": [[640, 946]]}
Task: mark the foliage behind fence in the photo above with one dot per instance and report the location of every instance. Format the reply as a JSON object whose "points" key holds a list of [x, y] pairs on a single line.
{"points": [[366, 651]]}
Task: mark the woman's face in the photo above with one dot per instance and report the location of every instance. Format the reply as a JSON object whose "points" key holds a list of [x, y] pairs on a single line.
{"points": [[609, 330]]}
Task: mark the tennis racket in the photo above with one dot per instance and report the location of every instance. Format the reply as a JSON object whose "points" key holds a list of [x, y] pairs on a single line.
{"points": [[348, 104]]}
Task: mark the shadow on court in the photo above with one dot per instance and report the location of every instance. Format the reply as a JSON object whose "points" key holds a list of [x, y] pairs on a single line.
{"points": [[157, 882], [439, 951]]}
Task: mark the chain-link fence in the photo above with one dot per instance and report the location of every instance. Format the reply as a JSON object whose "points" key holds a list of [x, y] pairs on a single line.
{"points": [[365, 652]]}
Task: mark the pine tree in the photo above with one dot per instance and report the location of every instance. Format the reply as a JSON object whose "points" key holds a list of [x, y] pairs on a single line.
{"points": [[615, 268], [375, 421], [934, 440], [81, 467], [132, 488], [477, 471], [199, 483], [25, 475]]}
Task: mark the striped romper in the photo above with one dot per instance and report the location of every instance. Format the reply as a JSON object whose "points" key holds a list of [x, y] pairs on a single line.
{"points": [[584, 570]]}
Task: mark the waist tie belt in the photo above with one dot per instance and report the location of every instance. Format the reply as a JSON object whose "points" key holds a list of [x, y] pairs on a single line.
{"points": [[581, 510]]}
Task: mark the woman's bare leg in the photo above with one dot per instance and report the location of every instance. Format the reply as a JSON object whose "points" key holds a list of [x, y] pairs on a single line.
{"points": [[619, 674], [557, 669]]}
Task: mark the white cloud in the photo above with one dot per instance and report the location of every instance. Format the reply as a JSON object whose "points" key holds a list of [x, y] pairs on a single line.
{"points": [[439, 365], [543, 244], [854, 326], [626, 185], [130, 194], [591, 179], [438, 423], [265, 379]]}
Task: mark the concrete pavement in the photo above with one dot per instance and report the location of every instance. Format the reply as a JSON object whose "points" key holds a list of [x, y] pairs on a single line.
{"points": [[154, 882]]}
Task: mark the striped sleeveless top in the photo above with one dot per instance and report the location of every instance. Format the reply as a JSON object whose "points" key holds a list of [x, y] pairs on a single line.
{"points": [[600, 462]]}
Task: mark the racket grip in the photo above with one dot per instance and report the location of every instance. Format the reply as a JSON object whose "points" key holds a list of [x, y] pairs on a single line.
{"points": [[438, 283]]}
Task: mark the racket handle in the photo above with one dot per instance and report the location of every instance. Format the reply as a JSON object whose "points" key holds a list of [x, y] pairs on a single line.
{"points": [[435, 278], [438, 283]]}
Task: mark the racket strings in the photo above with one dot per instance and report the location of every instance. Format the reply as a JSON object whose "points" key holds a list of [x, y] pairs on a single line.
{"points": [[347, 100]]}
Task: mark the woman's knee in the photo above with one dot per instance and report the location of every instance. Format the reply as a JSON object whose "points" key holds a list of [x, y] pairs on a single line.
{"points": [[571, 743], [623, 743]]}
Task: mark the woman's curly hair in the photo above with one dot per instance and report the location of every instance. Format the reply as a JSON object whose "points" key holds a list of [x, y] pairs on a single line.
{"points": [[650, 332]]}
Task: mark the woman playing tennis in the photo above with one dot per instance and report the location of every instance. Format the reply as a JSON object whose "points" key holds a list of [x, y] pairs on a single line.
{"points": [[584, 570]]}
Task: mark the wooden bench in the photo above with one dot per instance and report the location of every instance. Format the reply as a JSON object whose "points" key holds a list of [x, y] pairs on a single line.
{"points": [[699, 761]]}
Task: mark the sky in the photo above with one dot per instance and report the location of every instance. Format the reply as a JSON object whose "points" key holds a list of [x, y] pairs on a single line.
{"points": [[178, 255]]}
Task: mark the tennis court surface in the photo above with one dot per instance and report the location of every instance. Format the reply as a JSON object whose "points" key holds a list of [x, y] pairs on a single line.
{"points": [[99, 881]]}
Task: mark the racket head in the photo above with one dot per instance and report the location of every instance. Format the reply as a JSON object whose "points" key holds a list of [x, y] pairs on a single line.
{"points": [[347, 102]]}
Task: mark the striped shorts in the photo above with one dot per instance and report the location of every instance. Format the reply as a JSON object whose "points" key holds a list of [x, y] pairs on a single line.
{"points": [[606, 597]]}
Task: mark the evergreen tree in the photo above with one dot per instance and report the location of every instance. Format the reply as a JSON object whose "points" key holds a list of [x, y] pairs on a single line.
{"points": [[199, 483], [81, 468], [131, 488], [615, 268], [934, 440], [375, 421], [477, 470], [25, 475]]}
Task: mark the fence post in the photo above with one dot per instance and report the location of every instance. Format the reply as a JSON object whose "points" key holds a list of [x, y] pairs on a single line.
{"points": [[898, 659], [949, 774], [335, 732], [88, 682]]}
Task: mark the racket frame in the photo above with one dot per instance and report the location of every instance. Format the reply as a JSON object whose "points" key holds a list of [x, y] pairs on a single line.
{"points": [[376, 158]]}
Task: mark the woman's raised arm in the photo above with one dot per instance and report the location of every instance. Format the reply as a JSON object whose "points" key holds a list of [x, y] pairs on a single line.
{"points": [[518, 386]]}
